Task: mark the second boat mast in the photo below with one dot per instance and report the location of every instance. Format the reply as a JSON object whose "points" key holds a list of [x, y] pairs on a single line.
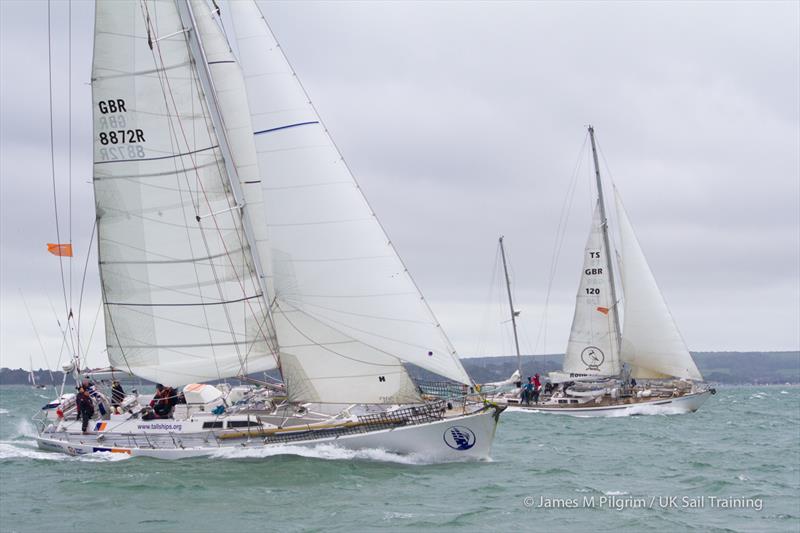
{"points": [[606, 242], [511, 307]]}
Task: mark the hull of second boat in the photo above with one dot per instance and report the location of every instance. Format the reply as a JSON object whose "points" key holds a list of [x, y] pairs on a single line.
{"points": [[680, 405], [467, 437]]}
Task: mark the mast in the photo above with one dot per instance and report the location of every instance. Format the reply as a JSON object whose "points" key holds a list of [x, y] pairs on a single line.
{"points": [[198, 54], [511, 308], [604, 225]]}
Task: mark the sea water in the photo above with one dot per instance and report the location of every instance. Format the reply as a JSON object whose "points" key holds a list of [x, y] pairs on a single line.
{"points": [[732, 466]]}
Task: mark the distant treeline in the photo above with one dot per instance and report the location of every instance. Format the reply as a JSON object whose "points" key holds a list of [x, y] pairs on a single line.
{"points": [[720, 367]]}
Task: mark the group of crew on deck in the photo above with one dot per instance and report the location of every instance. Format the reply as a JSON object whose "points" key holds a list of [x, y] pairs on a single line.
{"points": [[164, 400], [89, 400], [531, 390], [88, 395]]}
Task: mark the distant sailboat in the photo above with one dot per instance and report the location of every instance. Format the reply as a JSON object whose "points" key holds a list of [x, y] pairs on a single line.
{"points": [[234, 240], [32, 376], [603, 361]]}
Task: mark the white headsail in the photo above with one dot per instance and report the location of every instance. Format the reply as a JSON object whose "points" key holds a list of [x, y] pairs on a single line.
{"points": [[593, 340], [346, 311], [182, 300], [651, 342]]}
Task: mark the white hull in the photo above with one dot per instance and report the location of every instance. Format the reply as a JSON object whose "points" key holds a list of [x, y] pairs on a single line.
{"points": [[657, 406], [467, 437]]}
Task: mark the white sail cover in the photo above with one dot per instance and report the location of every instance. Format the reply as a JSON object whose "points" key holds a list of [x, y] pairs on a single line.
{"points": [[651, 342], [593, 340], [182, 301], [346, 312]]}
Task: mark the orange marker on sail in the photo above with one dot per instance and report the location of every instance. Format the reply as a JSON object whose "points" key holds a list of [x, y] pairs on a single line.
{"points": [[603, 310], [64, 250]]}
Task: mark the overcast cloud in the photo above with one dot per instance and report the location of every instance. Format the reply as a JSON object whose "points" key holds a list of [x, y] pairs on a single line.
{"points": [[463, 121]]}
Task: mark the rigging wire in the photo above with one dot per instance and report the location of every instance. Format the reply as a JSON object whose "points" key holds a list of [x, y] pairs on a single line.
{"points": [[561, 230], [52, 150], [83, 282], [487, 321], [91, 335], [36, 332], [69, 137]]}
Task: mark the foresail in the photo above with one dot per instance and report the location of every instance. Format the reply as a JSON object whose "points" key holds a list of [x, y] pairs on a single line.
{"points": [[182, 302], [651, 342], [345, 309], [592, 347], [231, 98]]}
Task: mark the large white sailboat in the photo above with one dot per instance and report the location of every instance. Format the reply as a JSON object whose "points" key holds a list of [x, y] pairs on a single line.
{"points": [[640, 368], [233, 239]]}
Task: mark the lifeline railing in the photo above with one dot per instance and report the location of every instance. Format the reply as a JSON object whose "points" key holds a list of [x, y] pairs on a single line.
{"points": [[408, 416]]}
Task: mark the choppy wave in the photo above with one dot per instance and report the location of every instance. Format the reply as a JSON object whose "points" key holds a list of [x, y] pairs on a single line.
{"points": [[23, 430], [389, 516], [3, 411], [649, 409], [22, 445], [321, 451], [27, 450], [635, 410]]}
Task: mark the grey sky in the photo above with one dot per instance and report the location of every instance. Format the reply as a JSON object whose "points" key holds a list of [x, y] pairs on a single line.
{"points": [[463, 121]]}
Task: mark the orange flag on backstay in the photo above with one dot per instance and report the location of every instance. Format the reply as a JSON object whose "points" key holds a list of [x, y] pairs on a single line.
{"points": [[603, 310], [60, 249]]}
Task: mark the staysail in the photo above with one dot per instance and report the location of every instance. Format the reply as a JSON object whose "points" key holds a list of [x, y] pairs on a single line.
{"points": [[182, 300], [651, 342], [593, 340], [346, 312]]}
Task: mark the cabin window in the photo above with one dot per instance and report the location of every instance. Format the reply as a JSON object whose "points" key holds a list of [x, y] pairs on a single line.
{"points": [[243, 423], [213, 425]]}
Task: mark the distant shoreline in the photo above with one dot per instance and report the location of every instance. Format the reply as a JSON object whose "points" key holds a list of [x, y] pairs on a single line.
{"points": [[722, 368]]}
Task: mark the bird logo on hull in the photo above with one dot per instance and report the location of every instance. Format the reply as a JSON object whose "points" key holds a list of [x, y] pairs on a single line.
{"points": [[459, 437]]}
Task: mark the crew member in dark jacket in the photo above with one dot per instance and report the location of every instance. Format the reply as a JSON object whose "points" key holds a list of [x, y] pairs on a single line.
{"points": [[84, 407], [163, 400], [117, 396]]}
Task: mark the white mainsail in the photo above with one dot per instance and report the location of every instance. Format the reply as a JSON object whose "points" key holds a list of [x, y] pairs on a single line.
{"points": [[182, 299], [593, 340], [651, 342], [346, 312]]}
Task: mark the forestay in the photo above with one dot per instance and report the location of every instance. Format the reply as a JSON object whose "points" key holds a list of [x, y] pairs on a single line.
{"points": [[651, 342], [182, 301], [593, 340], [346, 311]]}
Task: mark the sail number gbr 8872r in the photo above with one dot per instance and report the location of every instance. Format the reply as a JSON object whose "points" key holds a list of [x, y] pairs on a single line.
{"points": [[114, 132]]}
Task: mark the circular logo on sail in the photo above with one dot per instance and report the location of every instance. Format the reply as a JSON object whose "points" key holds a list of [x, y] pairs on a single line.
{"points": [[592, 357], [459, 438]]}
